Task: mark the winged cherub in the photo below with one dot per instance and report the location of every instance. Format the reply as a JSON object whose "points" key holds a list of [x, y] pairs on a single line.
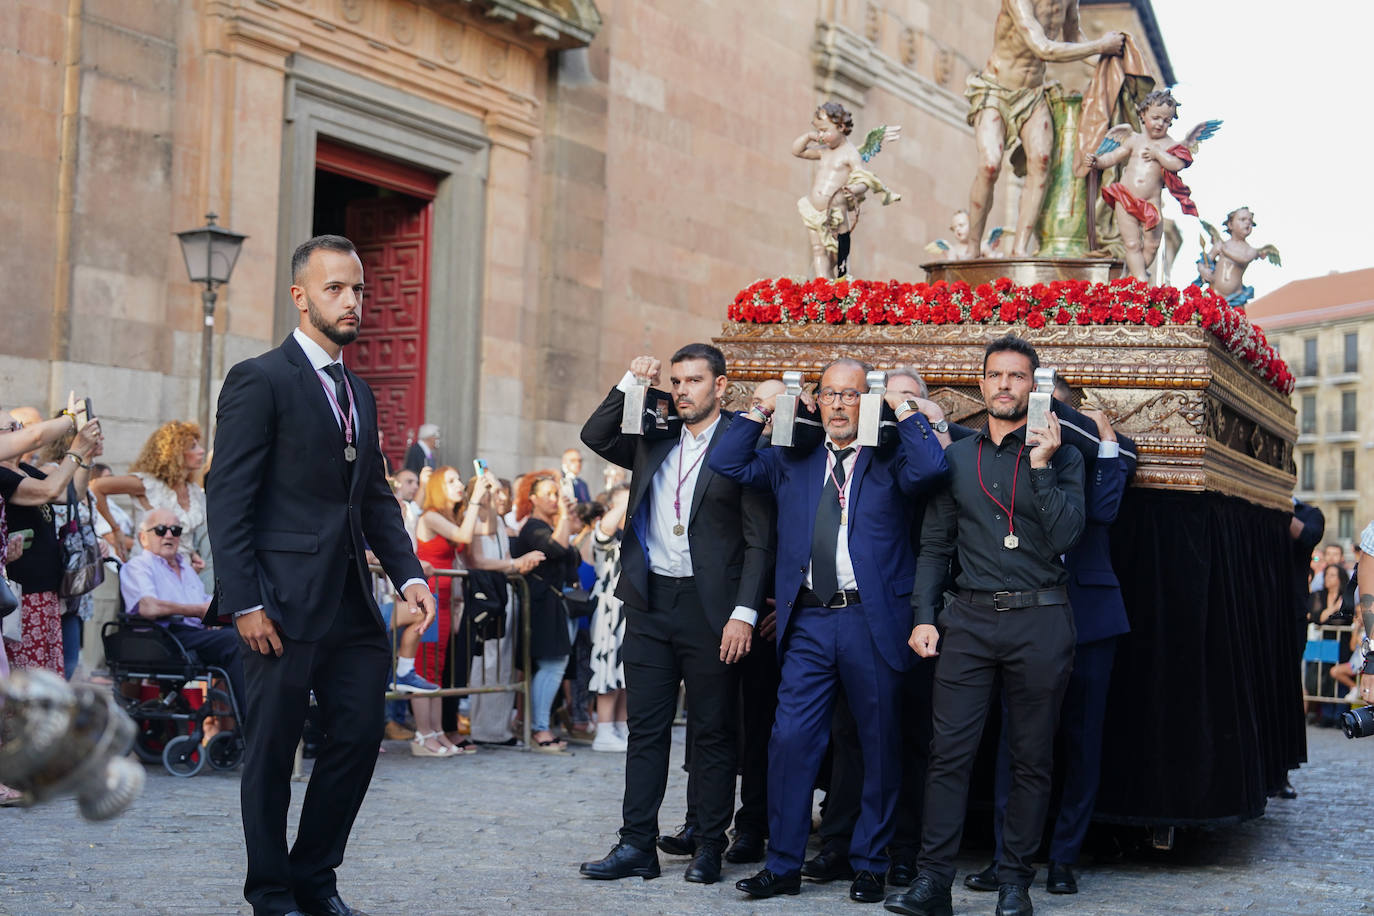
{"points": [[959, 249], [1153, 160], [830, 210], [1223, 265]]}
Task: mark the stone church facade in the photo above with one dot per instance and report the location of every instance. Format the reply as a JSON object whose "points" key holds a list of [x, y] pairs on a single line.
{"points": [[541, 189]]}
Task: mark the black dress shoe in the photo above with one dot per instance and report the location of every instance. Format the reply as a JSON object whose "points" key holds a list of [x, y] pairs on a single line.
{"points": [[1013, 900], [867, 888], [1288, 791], [901, 874], [333, 906], [985, 880], [1061, 880], [623, 861], [828, 865], [705, 867], [923, 898], [747, 847], [682, 843], [768, 884]]}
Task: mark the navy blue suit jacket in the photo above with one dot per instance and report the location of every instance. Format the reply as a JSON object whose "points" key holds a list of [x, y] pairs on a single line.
{"points": [[881, 500], [1094, 592]]}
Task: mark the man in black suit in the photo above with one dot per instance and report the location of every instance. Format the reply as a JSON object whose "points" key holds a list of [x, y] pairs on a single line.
{"points": [[423, 452], [299, 496], [695, 559]]}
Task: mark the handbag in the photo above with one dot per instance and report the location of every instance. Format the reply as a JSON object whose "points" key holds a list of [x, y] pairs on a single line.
{"points": [[578, 601], [484, 596], [9, 598], [82, 569]]}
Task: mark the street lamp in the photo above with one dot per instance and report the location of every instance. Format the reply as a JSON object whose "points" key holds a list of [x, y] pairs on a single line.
{"points": [[210, 254]]}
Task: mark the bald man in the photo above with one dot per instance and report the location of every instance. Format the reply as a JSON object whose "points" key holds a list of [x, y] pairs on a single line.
{"points": [[159, 585]]}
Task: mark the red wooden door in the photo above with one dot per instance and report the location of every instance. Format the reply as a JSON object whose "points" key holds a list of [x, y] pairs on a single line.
{"points": [[393, 235]]}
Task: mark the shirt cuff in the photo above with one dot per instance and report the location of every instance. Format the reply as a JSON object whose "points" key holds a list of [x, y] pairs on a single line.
{"points": [[409, 582], [238, 614], [748, 615], [1108, 448], [1044, 478], [626, 382]]}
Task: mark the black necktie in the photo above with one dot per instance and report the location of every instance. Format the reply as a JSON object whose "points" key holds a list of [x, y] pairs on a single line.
{"points": [[825, 581], [335, 371]]}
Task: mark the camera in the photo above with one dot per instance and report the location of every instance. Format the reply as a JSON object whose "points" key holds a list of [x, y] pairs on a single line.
{"points": [[1359, 723]]}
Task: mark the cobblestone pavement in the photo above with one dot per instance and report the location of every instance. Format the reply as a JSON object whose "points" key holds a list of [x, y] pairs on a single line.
{"points": [[504, 831]]}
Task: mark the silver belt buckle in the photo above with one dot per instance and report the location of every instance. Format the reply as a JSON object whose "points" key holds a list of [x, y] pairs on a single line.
{"points": [[997, 601], [844, 599]]}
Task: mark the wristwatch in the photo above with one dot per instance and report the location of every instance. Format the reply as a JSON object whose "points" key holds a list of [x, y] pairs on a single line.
{"points": [[912, 406], [940, 426]]}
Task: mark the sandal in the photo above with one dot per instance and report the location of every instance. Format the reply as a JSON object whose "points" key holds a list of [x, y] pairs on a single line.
{"points": [[418, 748], [551, 746], [466, 747], [11, 798]]}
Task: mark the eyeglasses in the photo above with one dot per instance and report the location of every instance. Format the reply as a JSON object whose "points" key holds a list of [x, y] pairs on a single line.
{"points": [[162, 530], [849, 396]]}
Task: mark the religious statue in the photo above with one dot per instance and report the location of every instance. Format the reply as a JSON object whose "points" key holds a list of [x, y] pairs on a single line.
{"points": [[959, 249], [1153, 160], [1223, 265], [830, 210], [1009, 110]]}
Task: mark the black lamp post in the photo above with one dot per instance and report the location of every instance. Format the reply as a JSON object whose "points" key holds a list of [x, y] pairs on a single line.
{"points": [[210, 254]]}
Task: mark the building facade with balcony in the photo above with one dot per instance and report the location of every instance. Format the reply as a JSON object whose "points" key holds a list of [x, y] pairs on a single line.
{"points": [[1324, 328]]}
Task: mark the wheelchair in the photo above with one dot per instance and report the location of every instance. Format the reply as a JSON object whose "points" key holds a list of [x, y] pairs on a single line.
{"points": [[140, 654]]}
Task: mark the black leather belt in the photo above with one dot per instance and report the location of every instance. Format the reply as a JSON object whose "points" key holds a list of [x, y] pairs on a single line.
{"points": [[1011, 601], [808, 598]]}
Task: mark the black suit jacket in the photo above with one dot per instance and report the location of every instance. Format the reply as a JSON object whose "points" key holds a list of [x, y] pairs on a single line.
{"points": [[416, 459], [286, 511], [729, 527]]}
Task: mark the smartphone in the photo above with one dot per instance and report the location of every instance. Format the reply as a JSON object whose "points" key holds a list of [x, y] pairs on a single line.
{"points": [[90, 413], [479, 467], [567, 486], [26, 534]]}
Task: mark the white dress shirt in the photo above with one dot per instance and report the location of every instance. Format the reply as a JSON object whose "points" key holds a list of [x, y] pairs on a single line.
{"points": [[844, 567], [671, 554]]}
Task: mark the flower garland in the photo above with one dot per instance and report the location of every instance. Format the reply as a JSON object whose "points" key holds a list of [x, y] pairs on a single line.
{"points": [[1125, 301]]}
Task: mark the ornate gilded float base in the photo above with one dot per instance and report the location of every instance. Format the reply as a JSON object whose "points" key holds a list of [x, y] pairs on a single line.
{"points": [[1202, 419], [1024, 271]]}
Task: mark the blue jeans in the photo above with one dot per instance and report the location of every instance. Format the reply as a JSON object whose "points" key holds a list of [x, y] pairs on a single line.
{"points": [[71, 643], [548, 677]]}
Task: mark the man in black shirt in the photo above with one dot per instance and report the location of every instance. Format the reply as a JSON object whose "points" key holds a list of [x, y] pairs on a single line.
{"points": [[1013, 506]]}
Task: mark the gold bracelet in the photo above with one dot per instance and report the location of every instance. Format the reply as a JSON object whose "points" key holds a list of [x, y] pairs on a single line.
{"points": [[79, 462]]}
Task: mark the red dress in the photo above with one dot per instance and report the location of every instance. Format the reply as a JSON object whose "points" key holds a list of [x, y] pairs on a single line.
{"points": [[429, 660]]}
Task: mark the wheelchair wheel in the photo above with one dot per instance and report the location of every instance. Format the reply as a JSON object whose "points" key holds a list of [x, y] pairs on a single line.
{"points": [[152, 738], [224, 751], [184, 756]]}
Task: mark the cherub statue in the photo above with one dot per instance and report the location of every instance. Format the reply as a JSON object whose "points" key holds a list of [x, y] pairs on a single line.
{"points": [[1153, 160], [959, 249], [830, 210], [1223, 265]]}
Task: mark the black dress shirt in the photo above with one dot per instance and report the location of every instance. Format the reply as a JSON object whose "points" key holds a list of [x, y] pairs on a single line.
{"points": [[1049, 519]]}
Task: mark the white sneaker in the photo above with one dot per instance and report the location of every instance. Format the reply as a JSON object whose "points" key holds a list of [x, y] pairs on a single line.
{"points": [[608, 741], [1353, 696], [622, 730]]}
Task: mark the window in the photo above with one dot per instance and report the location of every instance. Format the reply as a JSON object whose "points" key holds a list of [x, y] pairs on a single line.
{"points": [[1309, 414], [1309, 357], [1348, 469], [1352, 353], [1345, 524], [1348, 411], [1308, 480]]}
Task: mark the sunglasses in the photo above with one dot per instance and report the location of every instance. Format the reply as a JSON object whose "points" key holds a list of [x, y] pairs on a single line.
{"points": [[163, 530]]}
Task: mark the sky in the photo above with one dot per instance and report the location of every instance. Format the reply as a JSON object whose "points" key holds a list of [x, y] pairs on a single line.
{"points": [[1292, 82]]}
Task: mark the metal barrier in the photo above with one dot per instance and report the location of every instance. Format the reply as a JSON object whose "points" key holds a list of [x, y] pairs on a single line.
{"points": [[382, 591], [1320, 655]]}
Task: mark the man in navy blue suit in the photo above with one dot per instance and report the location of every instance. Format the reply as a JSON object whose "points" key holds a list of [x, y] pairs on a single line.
{"points": [[843, 611], [1099, 618]]}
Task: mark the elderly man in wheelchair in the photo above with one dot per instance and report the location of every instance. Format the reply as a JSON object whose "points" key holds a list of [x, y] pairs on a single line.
{"points": [[159, 586]]}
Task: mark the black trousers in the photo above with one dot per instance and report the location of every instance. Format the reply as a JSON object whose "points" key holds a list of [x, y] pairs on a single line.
{"points": [[758, 689], [668, 643], [1032, 649], [347, 670], [221, 648]]}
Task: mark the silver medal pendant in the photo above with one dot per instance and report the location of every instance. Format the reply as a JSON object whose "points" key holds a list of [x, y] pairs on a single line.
{"points": [[1011, 542], [679, 530], [350, 453]]}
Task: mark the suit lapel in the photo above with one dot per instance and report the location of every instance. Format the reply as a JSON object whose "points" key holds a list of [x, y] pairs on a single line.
{"points": [[706, 475], [367, 425], [861, 463], [815, 483], [321, 413], [658, 450]]}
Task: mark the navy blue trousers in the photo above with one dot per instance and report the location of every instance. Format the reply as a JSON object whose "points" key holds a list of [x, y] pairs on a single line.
{"points": [[824, 648]]}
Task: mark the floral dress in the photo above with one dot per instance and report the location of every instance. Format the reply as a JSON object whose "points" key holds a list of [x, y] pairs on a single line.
{"points": [[608, 619]]}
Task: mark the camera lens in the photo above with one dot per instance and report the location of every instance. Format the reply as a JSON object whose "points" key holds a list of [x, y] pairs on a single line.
{"points": [[1358, 723]]}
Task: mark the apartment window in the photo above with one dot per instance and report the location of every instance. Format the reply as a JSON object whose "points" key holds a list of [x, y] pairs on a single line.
{"points": [[1348, 469], [1308, 481], [1348, 414], [1309, 357], [1345, 524], [1352, 352], [1309, 414]]}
